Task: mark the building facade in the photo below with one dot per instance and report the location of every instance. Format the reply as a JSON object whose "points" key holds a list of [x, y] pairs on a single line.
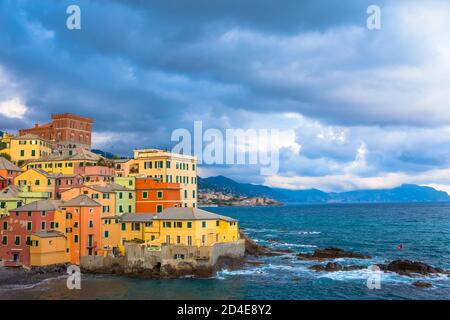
{"points": [[28, 147], [64, 131]]}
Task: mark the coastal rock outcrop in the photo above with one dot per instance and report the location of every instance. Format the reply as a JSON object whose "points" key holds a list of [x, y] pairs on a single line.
{"points": [[410, 268], [422, 284], [333, 267], [331, 253], [254, 249]]}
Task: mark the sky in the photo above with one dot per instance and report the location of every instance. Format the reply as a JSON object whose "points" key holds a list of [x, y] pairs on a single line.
{"points": [[356, 108]]}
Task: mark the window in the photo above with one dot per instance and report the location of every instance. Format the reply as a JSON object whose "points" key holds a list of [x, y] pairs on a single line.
{"points": [[29, 225], [203, 239], [193, 167], [52, 225], [129, 208], [28, 241], [130, 195], [144, 194], [189, 240], [106, 233], [217, 223], [105, 209], [167, 224], [178, 239], [43, 224], [106, 196], [33, 153], [120, 209], [168, 164], [29, 213], [5, 225], [159, 208], [75, 225], [159, 194], [120, 195], [203, 224], [178, 224], [189, 224], [75, 238], [136, 227], [91, 224], [22, 153], [5, 240], [43, 213], [17, 241], [124, 226]]}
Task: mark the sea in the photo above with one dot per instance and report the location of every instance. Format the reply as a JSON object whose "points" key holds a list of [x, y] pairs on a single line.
{"points": [[372, 229]]}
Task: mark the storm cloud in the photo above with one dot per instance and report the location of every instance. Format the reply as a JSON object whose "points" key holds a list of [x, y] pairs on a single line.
{"points": [[363, 108]]}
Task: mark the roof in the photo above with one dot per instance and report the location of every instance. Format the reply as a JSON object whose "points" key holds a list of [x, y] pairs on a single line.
{"points": [[80, 201], [109, 188], [70, 154], [11, 192], [176, 213], [40, 205], [121, 160], [54, 175], [28, 136], [137, 217], [5, 164], [48, 234]]}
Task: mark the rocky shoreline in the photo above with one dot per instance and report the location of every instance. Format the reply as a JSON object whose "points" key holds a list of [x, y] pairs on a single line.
{"points": [[12, 277], [22, 277]]}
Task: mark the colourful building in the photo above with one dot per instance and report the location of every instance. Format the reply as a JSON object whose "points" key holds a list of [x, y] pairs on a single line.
{"points": [[5, 143], [82, 227], [8, 171], [54, 184], [11, 197], [48, 248], [70, 161], [173, 226], [28, 147], [166, 167], [65, 131], [17, 228], [194, 227], [154, 196]]}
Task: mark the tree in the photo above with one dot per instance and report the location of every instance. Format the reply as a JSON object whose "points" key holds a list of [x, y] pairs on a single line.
{"points": [[3, 145]]}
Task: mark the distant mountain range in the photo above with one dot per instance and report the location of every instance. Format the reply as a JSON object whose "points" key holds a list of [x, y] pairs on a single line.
{"points": [[403, 193]]}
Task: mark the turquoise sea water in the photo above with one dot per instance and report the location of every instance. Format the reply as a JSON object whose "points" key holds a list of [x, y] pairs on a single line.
{"points": [[373, 229]]}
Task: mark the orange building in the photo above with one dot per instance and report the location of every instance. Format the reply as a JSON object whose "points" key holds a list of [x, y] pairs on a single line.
{"points": [[153, 196], [65, 131], [82, 226]]}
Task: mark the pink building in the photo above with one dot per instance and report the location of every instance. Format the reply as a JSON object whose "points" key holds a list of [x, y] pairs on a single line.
{"points": [[95, 174]]}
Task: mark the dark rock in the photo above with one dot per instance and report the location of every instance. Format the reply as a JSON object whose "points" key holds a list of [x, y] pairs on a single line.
{"points": [[422, 284], [330, 253], [333, 266], [411, 268], [254, 249], [353, 267]]}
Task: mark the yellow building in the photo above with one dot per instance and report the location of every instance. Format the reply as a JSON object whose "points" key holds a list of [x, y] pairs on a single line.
{"points": [[6, 143], [194, 227], [36, 181], [66, 161], [174, 226], [49, 247], [28, 147], [167, 167]]}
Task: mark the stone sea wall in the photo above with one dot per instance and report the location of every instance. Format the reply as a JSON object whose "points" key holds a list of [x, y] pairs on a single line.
{"points": [[148, 262]]}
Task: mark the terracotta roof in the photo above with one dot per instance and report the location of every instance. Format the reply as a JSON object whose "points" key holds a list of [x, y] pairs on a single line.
{"points": [[28, 136], [5, 164], [189, 214], [80, 201]]}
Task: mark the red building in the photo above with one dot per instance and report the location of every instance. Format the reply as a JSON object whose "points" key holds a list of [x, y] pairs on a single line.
{"points": [[16, 230], [154, 196], [65, 131]]}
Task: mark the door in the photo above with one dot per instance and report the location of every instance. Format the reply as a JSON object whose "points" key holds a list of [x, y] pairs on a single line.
{"points": [[15, 257]]}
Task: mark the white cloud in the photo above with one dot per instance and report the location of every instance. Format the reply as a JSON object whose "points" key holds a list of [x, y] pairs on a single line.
{"points": [[13, 108]]}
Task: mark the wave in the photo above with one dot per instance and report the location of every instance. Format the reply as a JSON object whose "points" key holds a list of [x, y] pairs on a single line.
{"points": [[30, 285]]}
